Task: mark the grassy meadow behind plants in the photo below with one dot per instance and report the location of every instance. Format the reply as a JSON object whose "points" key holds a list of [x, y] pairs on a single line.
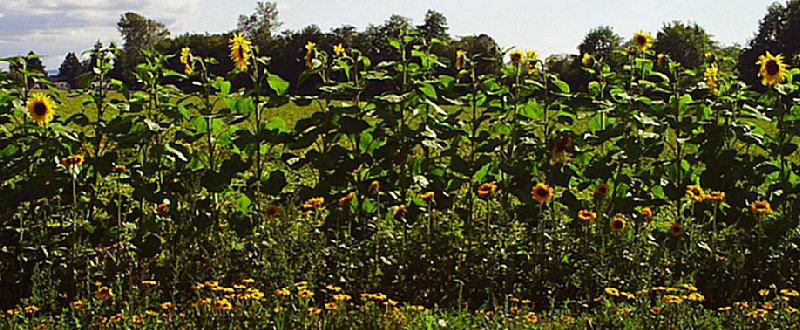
{"points": [[662, 197]]}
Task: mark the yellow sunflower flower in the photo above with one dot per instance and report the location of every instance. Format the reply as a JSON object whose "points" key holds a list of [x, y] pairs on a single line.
{"points": [[660, 59], [338, 50], [516, 56], [586, 60], [314, 202], [695, 193], [240, 51], [460, 53], [760, 207], [542, 193], [647, 213], [772, 69], [310, 46], [586, 215], [676, 229], [642, 40], [601, 190], [486, 189], [712, 79], [346, 198], [41, 107], [617, 225]]}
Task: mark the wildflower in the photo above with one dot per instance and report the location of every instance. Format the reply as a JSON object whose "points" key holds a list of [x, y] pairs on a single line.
{"points": [[374, 185], [41, 107], [301, 284], [240, 51], [642, 40], [77, 304], [611, 292], [697, 297], [586, 215], [789, 292], [257, 295], [724, 308], [197, 286], [418, 308], [542, 193], [400, 208], [31, 309], [695, 193], [272, 211], [791, 310], [772, 69], [104, 293], [760, 207], [204, 301], [338, 50], [768, 306], [516, 56], [247, 280], [689, 287], [314, 310], [601, 190], [486, 189], [565, 318], [148, 283], [741, 305], [314, 202], [150, 313], [13, 311], [647, 213], [660, 59], [586, 59], [716, 196], [304, 293], [138, 319], [310, 45], [120, 168], [186, 55], [117, 317], [460, 53], [222, 304], [671, 299], [676, 229], [763, 292], [758, 313], [427, 195], [711, 78], [333, 288], [74, 160], [167, 305], [331, 305], [655, 310], [346, 198], [277, 309], [342, 297], [627, 295], [532, 318], [617, 225]]}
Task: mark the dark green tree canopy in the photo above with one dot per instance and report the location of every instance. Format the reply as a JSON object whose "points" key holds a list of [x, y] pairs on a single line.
{"points": [[261, 24], [600, 42], [684, 42], [139, 33], [70, 69]]}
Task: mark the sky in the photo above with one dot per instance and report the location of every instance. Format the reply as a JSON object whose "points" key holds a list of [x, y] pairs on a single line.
{"points": [[52, 28]]}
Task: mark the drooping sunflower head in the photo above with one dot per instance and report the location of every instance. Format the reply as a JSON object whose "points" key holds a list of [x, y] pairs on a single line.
{"points": [[338, 50], [186, 56], [240, 51], [314, 202], [617, 225], [41, 108], [587, 215], [772, 70], [310, 46], [711, 77], [542, 193], [486, 189], [660, 59], [601, 190], [428, 195], [586, 59], [695, 193], [761, 207], [346, 198], [460, 53], [642, 40], [647, 213], [716, 196], [516, 56], [676, 229]]}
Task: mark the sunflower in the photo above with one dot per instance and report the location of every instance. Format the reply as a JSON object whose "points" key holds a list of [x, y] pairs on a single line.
{"points": [[272, 211], [460, 53], [760, 207], [313, 203], [486, 189], [772, 69], [400, 208], [560, 145], [516, 56], [695, 193], [586, 60], [374, 185], [104, 293], [617, 225], [310, 46], [74, 160], [338, 50], [647, 213], [531, 59], [676, 229], [345, 198], [314, 310], [642, 40], [601, 190], [222, 304], [660, 59], [186, 55], [41, 107], [542, 193], [428, 195], [240, 51], [712, 79], [715, 196], [586, 215]]}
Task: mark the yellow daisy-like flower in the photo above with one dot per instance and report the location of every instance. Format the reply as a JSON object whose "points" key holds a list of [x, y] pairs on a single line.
{"points": [[31, 309], [77, 304], [346, 198], [241, 51], [671, 299], [789, 292], [695, 193], [716, 196], [642, 40], [696, 296], [167, 305], [763, 292], [542, 193], [601, 190], [486, 189], [331, 305], [647, 213], [282, 292], [314, 310], [586, 59], [314, 202], [342, 297], [41, 107], [427, 195], [712, 79], [586, 215], [338, 50], [460, 53], [617, 225], [138, 319], [74, 160], [612, 291], [676, 229], [772, 69], [186, 55], [760, 207], [222, 305], [531, 318], [310, 45], [104, 293], [516, 56]]}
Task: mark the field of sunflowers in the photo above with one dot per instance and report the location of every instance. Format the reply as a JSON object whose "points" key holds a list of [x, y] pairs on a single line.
{"points": [[655, 197]]}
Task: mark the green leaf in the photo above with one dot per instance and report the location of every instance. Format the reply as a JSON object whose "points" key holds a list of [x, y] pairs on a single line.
{"points": [[563, 86], [275, 123], [243, 203], [427, 89], [278, 84], [533, 110], [223, 87]]}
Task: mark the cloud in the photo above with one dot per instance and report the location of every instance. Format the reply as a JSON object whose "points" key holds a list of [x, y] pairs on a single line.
{"points": [[55, 27]]}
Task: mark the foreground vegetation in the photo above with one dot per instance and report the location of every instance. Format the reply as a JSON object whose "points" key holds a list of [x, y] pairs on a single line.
{"points": [[653, 200]]}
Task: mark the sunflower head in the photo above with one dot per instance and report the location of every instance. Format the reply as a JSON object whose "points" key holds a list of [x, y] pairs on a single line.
{"points": [[346, 198], [660, 59], [310, 46], [760, 207], [716, 196], [587, 215], [647, 213], [486, 189], [676, 229], [338, 50], [240, 51], [314, 202], [460, 53], [711, 77], [695, 193], [586, 59], [601, 190], [41, 108], [516, 56], [617, 225], [642, 40], [772, 70], [542, 193]]}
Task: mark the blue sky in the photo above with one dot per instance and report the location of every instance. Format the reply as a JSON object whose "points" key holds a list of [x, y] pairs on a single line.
{"points": [[54, 27]]}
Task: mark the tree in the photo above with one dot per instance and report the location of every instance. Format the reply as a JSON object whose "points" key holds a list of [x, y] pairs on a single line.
{"points": [[139, 33], [777, 33], [685, 43], [486, 49], [35, 64], [260, 25], [600, 42], [70, 69], [435, 26]]}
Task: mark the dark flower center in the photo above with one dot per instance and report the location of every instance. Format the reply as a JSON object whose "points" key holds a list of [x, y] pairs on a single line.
{"points": [[618, 224], [541, 192], [772, 67], [641, 40], [39, 109]]}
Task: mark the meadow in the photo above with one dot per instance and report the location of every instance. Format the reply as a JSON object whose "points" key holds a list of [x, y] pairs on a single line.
{"points": [[654, 197]]}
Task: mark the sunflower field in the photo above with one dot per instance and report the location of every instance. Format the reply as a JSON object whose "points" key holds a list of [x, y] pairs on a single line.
{"points": [[655, 197]]}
